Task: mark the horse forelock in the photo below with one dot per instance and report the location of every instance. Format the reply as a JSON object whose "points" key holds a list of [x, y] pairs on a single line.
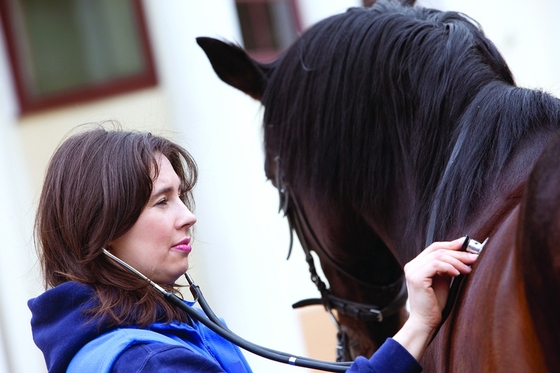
{"points": [[373, 98]]}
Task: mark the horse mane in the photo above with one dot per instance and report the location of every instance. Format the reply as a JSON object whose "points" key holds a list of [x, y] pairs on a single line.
{"points": [[403, 82], [497, 121]]}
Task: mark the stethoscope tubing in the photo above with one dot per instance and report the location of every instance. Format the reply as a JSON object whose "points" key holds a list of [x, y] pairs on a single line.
{"points": [[212, 322]]}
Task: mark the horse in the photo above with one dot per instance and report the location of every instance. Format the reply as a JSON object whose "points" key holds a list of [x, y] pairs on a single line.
{"points": [[387, 128], [538, 243]]}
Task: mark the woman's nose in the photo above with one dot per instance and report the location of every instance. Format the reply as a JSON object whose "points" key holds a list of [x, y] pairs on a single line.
{"points": [[186, 218]]}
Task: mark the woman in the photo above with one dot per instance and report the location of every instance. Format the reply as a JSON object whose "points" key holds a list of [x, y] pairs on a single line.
{"points": [[131, 193]]}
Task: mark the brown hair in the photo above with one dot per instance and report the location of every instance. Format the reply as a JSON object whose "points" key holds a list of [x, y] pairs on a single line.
{"points": [[95, 188]]}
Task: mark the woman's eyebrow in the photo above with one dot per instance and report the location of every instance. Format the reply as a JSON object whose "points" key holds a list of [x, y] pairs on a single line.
{"points": [[162, 190]]}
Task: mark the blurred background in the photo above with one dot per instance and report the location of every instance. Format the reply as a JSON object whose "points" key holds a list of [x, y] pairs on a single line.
{"points": [[69, 62]]}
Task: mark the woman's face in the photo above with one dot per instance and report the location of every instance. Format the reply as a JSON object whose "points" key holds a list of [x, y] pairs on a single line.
{"points": [[158, 244]]}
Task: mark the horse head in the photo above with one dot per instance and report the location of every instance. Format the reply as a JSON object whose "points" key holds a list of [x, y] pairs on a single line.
{"points": [[384, 129], [366, 280]]}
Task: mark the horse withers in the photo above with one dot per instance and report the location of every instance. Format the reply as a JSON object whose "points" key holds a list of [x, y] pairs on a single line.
{"points": [[388, 128]]}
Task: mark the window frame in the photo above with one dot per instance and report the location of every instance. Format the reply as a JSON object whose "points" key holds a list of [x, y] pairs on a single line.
{"points": [[268, 54], [28, 103]]}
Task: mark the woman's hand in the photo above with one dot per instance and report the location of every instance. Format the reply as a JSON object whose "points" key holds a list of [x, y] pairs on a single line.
{"points": [[428, 277]]}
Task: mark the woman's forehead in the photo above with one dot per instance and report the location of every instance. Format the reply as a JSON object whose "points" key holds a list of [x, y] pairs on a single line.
{"points": [[166, 173]]}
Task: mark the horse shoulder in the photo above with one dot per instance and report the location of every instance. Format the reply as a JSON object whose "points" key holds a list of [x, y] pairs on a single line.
{"points": [[491, 327], [539, 240]]}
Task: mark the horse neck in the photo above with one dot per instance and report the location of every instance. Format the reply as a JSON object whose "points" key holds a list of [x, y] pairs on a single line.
{"points": [[505, 306], [501, 134], [502, 196], [492, 312], [405, 231]]}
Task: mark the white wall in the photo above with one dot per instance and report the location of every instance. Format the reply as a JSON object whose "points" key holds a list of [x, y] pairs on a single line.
{"points": [[240, 241], [526, 33], [18, 276]]}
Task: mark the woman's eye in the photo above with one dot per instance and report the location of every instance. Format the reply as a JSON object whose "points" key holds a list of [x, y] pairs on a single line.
{"points": [[162, 201]]}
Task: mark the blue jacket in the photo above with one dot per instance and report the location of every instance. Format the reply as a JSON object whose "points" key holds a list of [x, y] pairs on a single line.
{"points": [[61, 330]]}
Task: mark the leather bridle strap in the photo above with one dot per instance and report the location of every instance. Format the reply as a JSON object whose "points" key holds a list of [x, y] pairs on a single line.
{"points": [[365, 312], [359, 311]]}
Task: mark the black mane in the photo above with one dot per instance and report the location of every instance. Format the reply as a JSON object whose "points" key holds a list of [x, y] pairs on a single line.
{"points": [[494, 124], [401, 82]]}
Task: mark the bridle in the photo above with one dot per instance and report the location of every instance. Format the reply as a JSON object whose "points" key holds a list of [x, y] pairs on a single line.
{"points": [[298, 222]]}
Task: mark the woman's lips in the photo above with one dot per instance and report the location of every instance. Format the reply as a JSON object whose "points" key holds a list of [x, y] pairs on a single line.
{"points": [[183, 245]]}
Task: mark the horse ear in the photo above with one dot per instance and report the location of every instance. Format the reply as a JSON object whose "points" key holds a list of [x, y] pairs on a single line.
{"points": [[234, 66]]}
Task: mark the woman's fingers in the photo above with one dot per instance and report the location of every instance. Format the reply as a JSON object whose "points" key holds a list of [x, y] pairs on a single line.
{"points": [[443, 258], [447, 245], [428, 277]]}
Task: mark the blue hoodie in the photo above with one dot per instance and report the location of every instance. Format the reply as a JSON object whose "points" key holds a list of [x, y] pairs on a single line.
{"points": [[61, 329]]}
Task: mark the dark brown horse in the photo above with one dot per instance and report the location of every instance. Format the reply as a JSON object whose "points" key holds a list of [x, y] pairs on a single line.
{"points": [[388, 128]]}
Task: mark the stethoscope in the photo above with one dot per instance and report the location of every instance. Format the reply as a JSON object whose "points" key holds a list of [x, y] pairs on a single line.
{"points": [[215, 324]]}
